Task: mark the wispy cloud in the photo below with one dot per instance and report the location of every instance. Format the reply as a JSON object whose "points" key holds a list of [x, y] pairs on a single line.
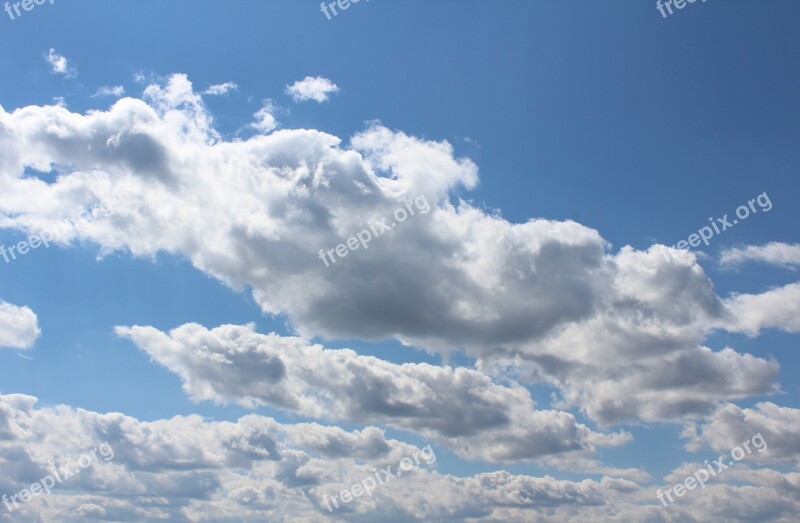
{"points": [[60, 65], [773, 253], [265, 117], [106, 90], [221, 89]]}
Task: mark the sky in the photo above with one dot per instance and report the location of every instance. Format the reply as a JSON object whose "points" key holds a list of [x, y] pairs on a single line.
{"points": [[541, 254]]}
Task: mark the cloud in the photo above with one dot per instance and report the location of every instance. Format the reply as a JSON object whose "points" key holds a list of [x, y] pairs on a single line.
{"points": [[731, 425], [60, 65], [640, 355], [542, 302], [106, 90], [265, 117], [255, 469], [312, 88], [221, 89], [738, 493], [461, 408], [19, 327], [776, 308], [774, 253], [684, 384]]}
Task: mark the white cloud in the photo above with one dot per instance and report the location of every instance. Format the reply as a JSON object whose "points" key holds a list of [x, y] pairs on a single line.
{"points": [[730, 426], [19, 326], [60, 65], [115, 91], [774, 253], [776, 308], [265, 117], [461, 408], [548, 299], [738, 493], [221, 89], [315, 88], [254, 469]]}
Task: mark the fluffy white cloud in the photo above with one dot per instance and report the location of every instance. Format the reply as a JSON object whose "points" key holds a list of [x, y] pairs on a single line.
{"points": [[773, 253], [315, 88], [221, 89], [640, 355], [60, 65], [731, 425], [776, 308], [738, 493], [548, 299], [19, 326], [461, 408], [254, 469]]}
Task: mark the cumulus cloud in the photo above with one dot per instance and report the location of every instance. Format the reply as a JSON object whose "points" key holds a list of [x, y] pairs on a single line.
{"points": [[60, 65], [462, 408], [314, 88], [19, 326], [221, 89], [776, 308], [544, 301], [255, 469], [773, 253], [738, 493], [640, 355], [730, 426]]}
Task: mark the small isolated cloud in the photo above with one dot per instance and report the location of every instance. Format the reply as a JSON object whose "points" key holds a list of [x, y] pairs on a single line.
{"points": [[59, 64], [19, 326], [311, 88], [106, 90], [221, 89], [774, 253], [777, 308], [265, 119]]}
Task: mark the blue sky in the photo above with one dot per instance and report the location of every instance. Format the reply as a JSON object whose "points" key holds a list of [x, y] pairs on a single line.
{"points": [[599, 125]]}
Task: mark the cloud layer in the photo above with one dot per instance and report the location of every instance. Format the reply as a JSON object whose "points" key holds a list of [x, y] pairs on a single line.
{"points": [[186, 469], [548, 299]]}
